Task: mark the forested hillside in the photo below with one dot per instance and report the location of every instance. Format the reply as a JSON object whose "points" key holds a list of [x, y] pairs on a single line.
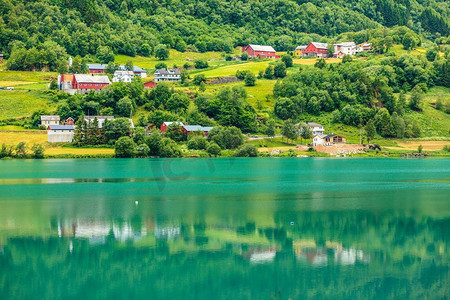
{"points": [[133, 27]]}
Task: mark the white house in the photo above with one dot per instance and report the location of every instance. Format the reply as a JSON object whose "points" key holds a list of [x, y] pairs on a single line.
{"points": [[123, 76], [316, 129], [49, 120], [167, 75], [327, 140], [344, 48], [100, 119], [60, 133]]}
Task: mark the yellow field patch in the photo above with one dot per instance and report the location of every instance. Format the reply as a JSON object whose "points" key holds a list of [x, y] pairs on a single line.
{"points": [[78, 151], [310, 61], [427, 145], [15, 83], [31, 137]]}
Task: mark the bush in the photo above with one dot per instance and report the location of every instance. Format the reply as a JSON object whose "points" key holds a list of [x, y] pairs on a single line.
{"points": [[201, 64], [213, 149], [38, 151], [142, 150], [226, 137], [160, 65], [247, 150], [198, 79], [125, 147], [169, 148], [244, 56], [197, 143], [287, 59], [250, 79], [279, 70]]}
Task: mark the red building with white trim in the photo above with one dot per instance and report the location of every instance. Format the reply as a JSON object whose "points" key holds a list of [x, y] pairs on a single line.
{"points": [[259, 51], [84, 83], [316, 50]]}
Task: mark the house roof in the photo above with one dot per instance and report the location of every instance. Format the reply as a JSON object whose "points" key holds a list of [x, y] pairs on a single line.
{"points": [[346, 44], [262, 48], [168, 71], [320, 45], [175, 123], [61, 127], [300, 47], [99, 117], [190, 128], [312, 124], [96, 66], [92, 79], [49, 118]]}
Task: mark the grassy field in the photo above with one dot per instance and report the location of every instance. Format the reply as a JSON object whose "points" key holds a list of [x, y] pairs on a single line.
{"points": [[22, 103], [414, 145]]}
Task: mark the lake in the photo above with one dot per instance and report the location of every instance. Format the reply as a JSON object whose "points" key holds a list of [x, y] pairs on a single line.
{"points": [[244, 228]]}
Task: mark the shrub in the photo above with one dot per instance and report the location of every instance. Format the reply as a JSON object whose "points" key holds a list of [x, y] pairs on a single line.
{"points": [[197, 143], [38, 151], [125, 147], [247, 150], [250, 79], [201, 64], [213, 149]]}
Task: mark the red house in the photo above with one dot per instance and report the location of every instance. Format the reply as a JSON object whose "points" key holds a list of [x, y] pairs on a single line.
{"points": [[188, 129], [69, 121], [96, 69], [316, 50], [259, 51], [150, 84], [84, 83], [164, 125]]}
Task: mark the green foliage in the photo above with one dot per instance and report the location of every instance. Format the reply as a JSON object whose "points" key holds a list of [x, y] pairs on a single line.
{"points": [[370, 130], [287, 59], [153, 141], [279, 71], [162, 52], [269, 72], [289, 130], [416, 100], [105, 55], [125, 147], [286, 108], [198, 79], [175, 133], [247, 150], [226, 137], [201, 64], [197, 143], [178, 103], [169, 148], [250, 79], [270, 128], [213, 149], [21, 150], [160, 65], [38, 151], [157, 117], [244, 56]]}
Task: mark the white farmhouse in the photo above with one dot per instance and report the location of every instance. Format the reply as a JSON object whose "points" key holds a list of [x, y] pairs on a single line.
{"points": [[123, 76], [316, 129], [167, 75], [60, 133], [344, 48], [100, 119], [49, 120]]}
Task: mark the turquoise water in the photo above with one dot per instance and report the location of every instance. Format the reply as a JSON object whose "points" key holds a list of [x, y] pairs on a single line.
{"points": [[290, 228]]}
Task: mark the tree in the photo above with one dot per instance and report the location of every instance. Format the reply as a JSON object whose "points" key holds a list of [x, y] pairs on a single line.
{"points": [[371, 131], [285, 108], [226, 137], [409, 42], [142, 150], [114, 129], [244, 56], [125, 147], [161, 52], [38, 151], [431, 54], [153, 141], [178, 103], [21, 150], [160, 65], [198, 79], [250, 79], [124, 107], [416, 130], [279, 70], [146, 50], [247, 150], [401, 103], [346, 59], [201, 64], [129, 65], [270, 128], [105, 55], [415, 102], [289, 130], [53, 84], [169, 148], [197, 143], [320, 64], [420, 148], [305, 132], [269, 72], [287, 59], [139, 135], [213, 149]]}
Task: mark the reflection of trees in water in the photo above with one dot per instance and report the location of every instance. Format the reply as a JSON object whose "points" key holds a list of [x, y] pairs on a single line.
{"points": [[400, 257]]}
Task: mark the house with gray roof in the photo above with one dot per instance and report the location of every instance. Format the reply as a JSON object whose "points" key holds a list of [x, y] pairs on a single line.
{"points": [[167, 75], [60, 133], [50, 120]]}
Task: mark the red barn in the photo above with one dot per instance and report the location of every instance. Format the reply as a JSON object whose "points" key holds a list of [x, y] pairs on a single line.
{"points": [[84, 83], [188, 129], [260, 51], [96, 69], [316, 49], [69, 121], [167, 124], [150, 84]]}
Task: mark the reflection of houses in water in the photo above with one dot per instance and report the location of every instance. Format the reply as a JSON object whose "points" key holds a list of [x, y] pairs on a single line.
{"points": [[96, 232], [259, 256], [307, 250], [167, 232]]}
